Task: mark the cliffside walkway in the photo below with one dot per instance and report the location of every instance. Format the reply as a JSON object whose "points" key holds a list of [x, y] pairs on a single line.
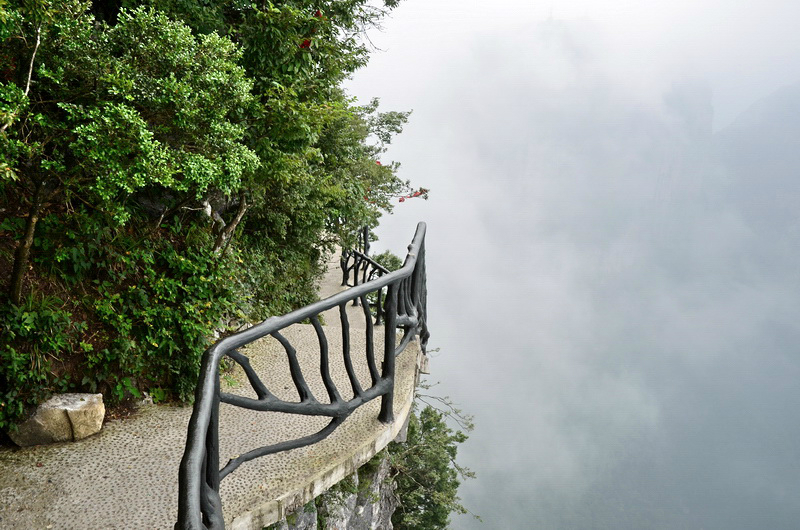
{"points": [[126, 476]]}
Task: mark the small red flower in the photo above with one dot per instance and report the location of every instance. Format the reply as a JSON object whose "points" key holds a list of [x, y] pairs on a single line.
{"points": [[306, 44], [378, 162], [318, 14]]}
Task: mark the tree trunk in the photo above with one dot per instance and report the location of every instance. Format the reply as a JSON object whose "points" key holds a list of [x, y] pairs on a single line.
{"points": [[23, 251], [226, 232]]}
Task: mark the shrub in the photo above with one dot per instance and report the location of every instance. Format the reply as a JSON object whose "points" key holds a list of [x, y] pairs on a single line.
{"points": [[35, 339], [426, 472]]}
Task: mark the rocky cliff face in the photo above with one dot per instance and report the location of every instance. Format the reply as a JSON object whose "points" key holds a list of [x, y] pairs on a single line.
{"points": [[363, 501]]}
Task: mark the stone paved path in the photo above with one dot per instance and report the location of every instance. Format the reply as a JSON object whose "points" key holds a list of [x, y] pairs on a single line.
{"points": [[126, 476]]}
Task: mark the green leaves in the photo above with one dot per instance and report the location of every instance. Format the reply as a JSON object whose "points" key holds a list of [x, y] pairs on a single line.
{"points": [[115, 143], [143, 103], [13, 101], [156, 299], [142, 142], [426, 472], [166, 115], [33, 337]]}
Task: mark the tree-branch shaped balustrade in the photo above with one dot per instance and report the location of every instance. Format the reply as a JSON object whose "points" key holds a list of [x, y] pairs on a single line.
{"points": [[359, 268], [403, 307], [351, 260]]}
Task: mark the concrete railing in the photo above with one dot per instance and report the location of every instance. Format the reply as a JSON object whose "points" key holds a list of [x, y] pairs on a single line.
{"points": [[403, 308]]}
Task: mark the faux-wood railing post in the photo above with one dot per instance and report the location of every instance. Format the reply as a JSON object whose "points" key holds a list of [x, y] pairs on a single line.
{"points": [[379, 308], [389, 345], [212, 515], [420, 294], [404, 304]]}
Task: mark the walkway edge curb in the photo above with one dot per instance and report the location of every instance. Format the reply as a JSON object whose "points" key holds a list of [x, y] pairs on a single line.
{"points": [[275, 510]]}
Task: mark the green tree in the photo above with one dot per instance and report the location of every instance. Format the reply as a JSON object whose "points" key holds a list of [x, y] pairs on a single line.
{"points": [[166, 167], [318, 180], [426, 471], [391, 261], [144, 104]]}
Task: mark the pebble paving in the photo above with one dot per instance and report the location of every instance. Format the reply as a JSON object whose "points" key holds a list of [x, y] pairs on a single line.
{"points": [[126, 476]]}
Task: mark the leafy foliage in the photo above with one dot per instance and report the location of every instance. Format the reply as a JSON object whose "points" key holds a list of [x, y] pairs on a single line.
{"points": [[31, 337], [142, 102], [168, 168], [426, 472], [389, 260], [156, 300]]}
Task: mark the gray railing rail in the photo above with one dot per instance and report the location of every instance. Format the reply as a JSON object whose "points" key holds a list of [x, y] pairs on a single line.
{"points": [[358, 268], [404, 307], [356, 262], [351, 258]]}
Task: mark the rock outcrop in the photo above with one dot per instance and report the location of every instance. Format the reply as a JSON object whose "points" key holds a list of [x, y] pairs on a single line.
{"points": [[363, 501], [62, 418]]}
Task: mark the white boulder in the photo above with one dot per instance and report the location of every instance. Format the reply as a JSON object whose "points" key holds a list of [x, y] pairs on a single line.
{"points": [[62, 418]]}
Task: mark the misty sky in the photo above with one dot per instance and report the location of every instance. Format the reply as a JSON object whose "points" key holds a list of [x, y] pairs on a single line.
{"points": [[613, 252]]}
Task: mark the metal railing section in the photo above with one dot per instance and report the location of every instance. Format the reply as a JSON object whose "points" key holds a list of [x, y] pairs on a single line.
{"points": [[403, 308], [352, 258], [358, 268]]}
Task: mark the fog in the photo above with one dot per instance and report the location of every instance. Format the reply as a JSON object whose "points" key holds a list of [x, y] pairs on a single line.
{"points": [[613, 246]]}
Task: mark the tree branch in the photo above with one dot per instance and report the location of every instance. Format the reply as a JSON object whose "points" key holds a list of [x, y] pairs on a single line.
{"points": [[33, 56], [28, 82], [227, 231]]}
